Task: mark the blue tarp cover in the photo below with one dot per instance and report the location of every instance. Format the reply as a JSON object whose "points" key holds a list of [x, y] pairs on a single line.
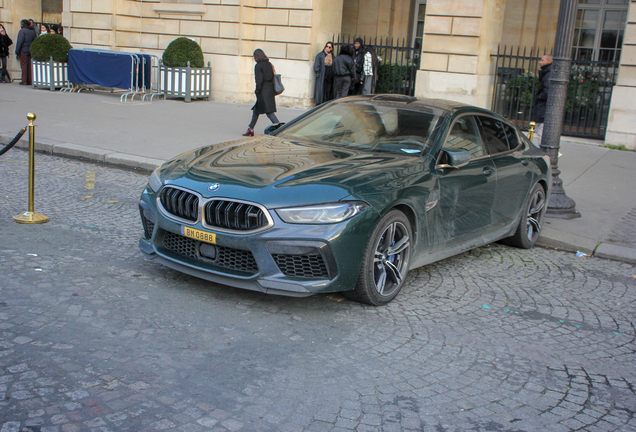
{"points": [[108, 68]]}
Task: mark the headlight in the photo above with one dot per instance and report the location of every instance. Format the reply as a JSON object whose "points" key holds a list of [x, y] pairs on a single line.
{"points": [[322, 213], [154, 182]]}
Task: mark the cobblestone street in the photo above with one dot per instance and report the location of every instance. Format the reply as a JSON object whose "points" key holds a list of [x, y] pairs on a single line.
{"points": [[94, 337]]}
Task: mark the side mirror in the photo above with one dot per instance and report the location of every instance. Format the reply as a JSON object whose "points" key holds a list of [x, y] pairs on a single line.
{"points": [[269, 130], [455, 158]]}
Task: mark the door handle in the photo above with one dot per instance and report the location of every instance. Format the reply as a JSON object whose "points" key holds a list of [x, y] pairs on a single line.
{"points": [[524, 162], [488, 171]]}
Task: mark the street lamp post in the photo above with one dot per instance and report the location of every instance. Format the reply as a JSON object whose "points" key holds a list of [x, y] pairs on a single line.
{"points": [[561, 205]]}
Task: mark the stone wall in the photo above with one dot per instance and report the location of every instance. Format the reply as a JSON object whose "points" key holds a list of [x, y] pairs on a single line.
{"points": [[621, 128], [379, 18], [291, 32], [531, 23], [11, 13], [459, 38]]}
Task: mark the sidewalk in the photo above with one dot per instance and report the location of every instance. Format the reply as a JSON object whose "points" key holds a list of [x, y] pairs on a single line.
{"points": [[142, 135]]}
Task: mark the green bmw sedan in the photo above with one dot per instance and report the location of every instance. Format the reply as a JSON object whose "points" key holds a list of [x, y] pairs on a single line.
{"points": [[347, 197]]}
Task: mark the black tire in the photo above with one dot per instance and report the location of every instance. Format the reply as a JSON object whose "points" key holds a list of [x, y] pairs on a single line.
{"points": [[385, 262], [531, 221]]}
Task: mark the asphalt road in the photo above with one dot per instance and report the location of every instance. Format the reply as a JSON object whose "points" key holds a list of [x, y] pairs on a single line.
{"points": [[93, 337]]}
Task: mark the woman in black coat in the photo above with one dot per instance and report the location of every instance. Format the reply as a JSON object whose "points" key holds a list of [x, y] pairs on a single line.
{"points": [[265, 97], [5, 43], [323, 66]]}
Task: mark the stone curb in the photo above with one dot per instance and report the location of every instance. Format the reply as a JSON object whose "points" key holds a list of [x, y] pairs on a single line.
{"points": [[559, 240], [616, 252], [92, 154]]}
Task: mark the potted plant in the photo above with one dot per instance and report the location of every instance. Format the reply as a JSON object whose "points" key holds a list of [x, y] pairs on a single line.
{"points": [[182, 71], [49, 55]]}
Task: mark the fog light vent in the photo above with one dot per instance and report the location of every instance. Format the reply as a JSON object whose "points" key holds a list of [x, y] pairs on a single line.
{"points": [[302, 266]]}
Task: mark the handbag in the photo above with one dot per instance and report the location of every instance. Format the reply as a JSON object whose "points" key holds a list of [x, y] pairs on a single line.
{"points": [[278, 83]]}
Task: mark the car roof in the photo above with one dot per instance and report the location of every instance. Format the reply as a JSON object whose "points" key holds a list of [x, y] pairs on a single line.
{"points": [[437, 106]]}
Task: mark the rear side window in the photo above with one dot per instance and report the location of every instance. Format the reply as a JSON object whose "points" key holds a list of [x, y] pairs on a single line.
{"points": [[465, 136], [511, 134], [494, 135]]}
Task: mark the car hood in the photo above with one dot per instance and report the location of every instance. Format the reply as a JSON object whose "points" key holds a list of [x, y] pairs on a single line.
{"points": [[279, 172]]}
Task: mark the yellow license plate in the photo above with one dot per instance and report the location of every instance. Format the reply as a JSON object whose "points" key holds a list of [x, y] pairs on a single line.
{"points": [[198, 234]]}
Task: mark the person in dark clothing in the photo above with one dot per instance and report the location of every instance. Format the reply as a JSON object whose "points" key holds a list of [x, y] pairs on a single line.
{"points": [[358, 57], [26, 36], [5, 43], [541, 98], [265, 97], [344, 71], [323, 66]]}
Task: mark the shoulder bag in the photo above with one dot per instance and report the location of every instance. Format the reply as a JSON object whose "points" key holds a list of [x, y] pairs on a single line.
{"points": [[278, 84]]}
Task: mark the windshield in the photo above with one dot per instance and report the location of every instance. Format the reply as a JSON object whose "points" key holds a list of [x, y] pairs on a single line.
{"points": [[371, 127]]}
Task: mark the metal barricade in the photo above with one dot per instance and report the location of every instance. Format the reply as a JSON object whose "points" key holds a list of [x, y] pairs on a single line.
{"points": [[143, 75]]}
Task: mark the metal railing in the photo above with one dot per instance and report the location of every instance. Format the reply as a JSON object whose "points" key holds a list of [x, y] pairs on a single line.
{"points": [[397, 62], [588, 99]]}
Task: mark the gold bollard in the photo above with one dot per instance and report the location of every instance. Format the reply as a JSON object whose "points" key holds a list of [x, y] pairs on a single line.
{"points": [[531, 134], [31, 217]]}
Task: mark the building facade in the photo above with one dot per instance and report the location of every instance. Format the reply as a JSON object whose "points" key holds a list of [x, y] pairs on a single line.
{"points": [[456, 39]]}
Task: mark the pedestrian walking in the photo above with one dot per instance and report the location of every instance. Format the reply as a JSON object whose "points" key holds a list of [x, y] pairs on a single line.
{"points": [[541, 98], [344, 71], [265, 97], [26, 36], [323, 66], [5, 43]]}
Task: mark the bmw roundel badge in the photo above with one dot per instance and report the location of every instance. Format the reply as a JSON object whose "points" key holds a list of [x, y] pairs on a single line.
{"points": [[213, 187]]}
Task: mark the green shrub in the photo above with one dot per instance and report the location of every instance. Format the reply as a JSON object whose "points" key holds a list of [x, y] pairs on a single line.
{"points": [[50, 45], [181, 51], [394, 78], [521, 89]]}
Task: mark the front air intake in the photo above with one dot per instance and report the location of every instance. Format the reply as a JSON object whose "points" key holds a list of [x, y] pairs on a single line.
{"points": [[180, 203], [235, 215]]}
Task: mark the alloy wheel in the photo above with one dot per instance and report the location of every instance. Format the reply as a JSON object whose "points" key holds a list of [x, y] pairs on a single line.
{"points": [[535, 215], [390, 263]]}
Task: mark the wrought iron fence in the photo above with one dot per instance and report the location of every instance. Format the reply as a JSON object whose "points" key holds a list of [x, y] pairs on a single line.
{"points": [[589, 91], [397, 62]]}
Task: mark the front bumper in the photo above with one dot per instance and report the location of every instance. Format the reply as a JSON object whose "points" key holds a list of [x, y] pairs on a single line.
{"points": [[286, 259]]}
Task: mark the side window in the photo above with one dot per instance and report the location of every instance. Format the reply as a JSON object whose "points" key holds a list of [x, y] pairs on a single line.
{"points": [[511, 134], [464, 135], [494, 135]]}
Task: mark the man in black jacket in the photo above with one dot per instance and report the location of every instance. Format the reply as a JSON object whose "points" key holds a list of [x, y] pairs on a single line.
{"points": [[541, 98], [26, 36], [344, 70]]}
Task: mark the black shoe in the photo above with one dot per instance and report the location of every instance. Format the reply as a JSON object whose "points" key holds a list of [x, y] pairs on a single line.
{"points": [[23, 83]]}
